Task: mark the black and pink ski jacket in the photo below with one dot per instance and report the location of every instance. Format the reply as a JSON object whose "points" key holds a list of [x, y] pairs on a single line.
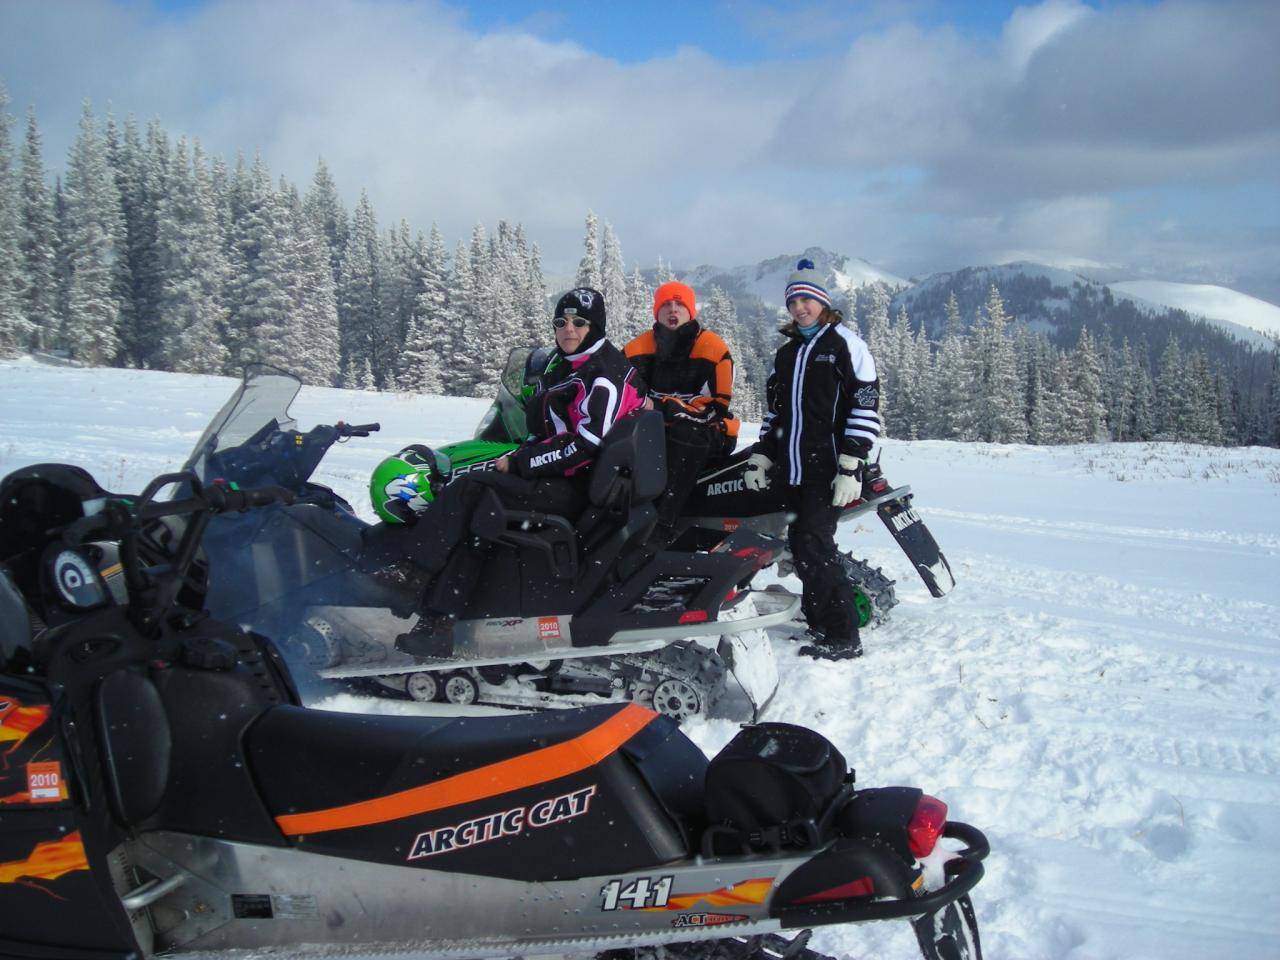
{"points": [[582, 396]]}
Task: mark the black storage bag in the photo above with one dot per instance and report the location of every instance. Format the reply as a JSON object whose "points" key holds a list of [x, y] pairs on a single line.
{"points": [[775, 785]]}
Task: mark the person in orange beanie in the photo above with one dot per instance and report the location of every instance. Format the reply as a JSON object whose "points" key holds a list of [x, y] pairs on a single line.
{"points": [[690, 375]]}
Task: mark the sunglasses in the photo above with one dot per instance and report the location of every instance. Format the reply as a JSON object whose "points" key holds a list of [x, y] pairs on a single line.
{"points": [[578, 322]]}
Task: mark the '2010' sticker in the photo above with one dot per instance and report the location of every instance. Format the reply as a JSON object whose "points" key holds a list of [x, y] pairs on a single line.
{"points": [[44, 781]]}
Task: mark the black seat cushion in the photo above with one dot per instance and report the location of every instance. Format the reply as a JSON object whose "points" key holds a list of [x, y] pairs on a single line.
{"points": [[306, 760], [634, 454]]}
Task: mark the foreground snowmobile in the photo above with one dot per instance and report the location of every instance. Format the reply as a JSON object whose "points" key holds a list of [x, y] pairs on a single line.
{"points": [[567, 613], [162, 792], [722, 503]]}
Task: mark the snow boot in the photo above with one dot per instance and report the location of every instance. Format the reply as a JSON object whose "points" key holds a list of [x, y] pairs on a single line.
{"points": [[431, 637], [407, 582], [822, 646]]}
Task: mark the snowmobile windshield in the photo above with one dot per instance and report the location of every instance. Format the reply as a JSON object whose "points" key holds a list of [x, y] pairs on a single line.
{"points": [[261, 402], [504, 421]]}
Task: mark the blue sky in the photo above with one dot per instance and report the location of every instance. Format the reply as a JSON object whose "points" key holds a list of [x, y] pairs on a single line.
{"points": [[734, 32], [738, 33], [918, 135]]}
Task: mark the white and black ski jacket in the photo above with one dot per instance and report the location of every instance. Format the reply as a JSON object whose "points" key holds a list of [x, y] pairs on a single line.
{"points": [[823, 400]]}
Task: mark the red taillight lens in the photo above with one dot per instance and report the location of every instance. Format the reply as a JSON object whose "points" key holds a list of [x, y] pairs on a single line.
{"points": [[731, 596], [698, 616], [879, 486], [926, 825]]}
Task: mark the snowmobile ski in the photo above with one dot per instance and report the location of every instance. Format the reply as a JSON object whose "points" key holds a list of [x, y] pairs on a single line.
{"points": [[909, 530]]}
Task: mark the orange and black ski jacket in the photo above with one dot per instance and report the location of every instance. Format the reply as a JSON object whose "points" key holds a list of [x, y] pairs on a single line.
{"points": [[689, 372]]}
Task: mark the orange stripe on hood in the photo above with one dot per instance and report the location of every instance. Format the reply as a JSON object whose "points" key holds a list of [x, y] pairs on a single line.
{"points": [[526, 770]]}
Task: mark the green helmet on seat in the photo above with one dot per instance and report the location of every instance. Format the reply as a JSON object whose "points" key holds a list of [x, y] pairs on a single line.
{"points": [[403, 485]]}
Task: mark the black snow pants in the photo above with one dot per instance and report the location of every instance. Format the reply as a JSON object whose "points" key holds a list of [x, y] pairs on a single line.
{"points": [[691, 448], [442, 542], [829, 599]]}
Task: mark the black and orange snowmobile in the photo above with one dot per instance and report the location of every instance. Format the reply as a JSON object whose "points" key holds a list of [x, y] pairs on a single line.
{"points": [[163, 792]]}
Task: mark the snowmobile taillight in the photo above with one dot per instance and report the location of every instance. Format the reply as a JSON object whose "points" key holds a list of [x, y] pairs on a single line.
{"points": [[879, 486], [693, 616], [862, 887], [926, 825], [731, 596]]}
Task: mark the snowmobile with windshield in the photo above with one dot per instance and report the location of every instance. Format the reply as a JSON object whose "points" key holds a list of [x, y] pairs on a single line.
{"points": [[164, 794], [721, 502], [568, 611]]}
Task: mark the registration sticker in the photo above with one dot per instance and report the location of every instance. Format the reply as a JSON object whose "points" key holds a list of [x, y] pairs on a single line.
{"points": [[44, 781]]}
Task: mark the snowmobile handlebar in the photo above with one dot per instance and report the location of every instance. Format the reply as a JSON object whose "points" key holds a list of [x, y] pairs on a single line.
{"points": [[119, 515], [223, 499], [214, 497], [153, 587], [357, 429]]}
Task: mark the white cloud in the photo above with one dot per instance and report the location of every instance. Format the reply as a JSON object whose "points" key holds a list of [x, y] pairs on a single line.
{"points": [[1030, 28]]}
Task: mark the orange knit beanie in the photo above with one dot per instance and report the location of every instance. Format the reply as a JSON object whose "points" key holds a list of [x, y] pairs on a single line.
{"points": [[680, 292]]}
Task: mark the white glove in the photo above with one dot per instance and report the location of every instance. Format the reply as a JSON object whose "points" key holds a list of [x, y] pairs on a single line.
{"points": [[847, 486], [757, 472]]}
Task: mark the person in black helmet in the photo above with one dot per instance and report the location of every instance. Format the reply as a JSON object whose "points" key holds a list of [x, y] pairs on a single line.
{"points": [[586, 386], [823, 416]]}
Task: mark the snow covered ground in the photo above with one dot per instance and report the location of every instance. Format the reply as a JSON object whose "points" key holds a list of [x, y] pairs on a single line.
{"points": [[1099, 694]]}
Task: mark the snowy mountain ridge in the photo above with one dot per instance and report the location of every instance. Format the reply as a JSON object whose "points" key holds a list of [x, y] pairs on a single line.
{"points": [[1229, 307], [1246, 318], [767, 280], [1243, 316]]}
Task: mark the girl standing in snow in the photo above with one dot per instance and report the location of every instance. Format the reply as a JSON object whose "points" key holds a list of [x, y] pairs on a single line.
{"points": [[823, 400]]}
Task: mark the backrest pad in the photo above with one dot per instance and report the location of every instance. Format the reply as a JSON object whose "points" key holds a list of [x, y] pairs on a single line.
{"points": [[633, 453]]}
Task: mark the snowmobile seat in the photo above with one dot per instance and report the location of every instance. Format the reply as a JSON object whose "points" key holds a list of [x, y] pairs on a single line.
{"points": [[549, 535], [357, 785], [367, 756], [628, 475], [632, 466]]}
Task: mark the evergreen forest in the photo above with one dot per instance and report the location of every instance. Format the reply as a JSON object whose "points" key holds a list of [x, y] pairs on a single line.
{"points": [[147, 252]]}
